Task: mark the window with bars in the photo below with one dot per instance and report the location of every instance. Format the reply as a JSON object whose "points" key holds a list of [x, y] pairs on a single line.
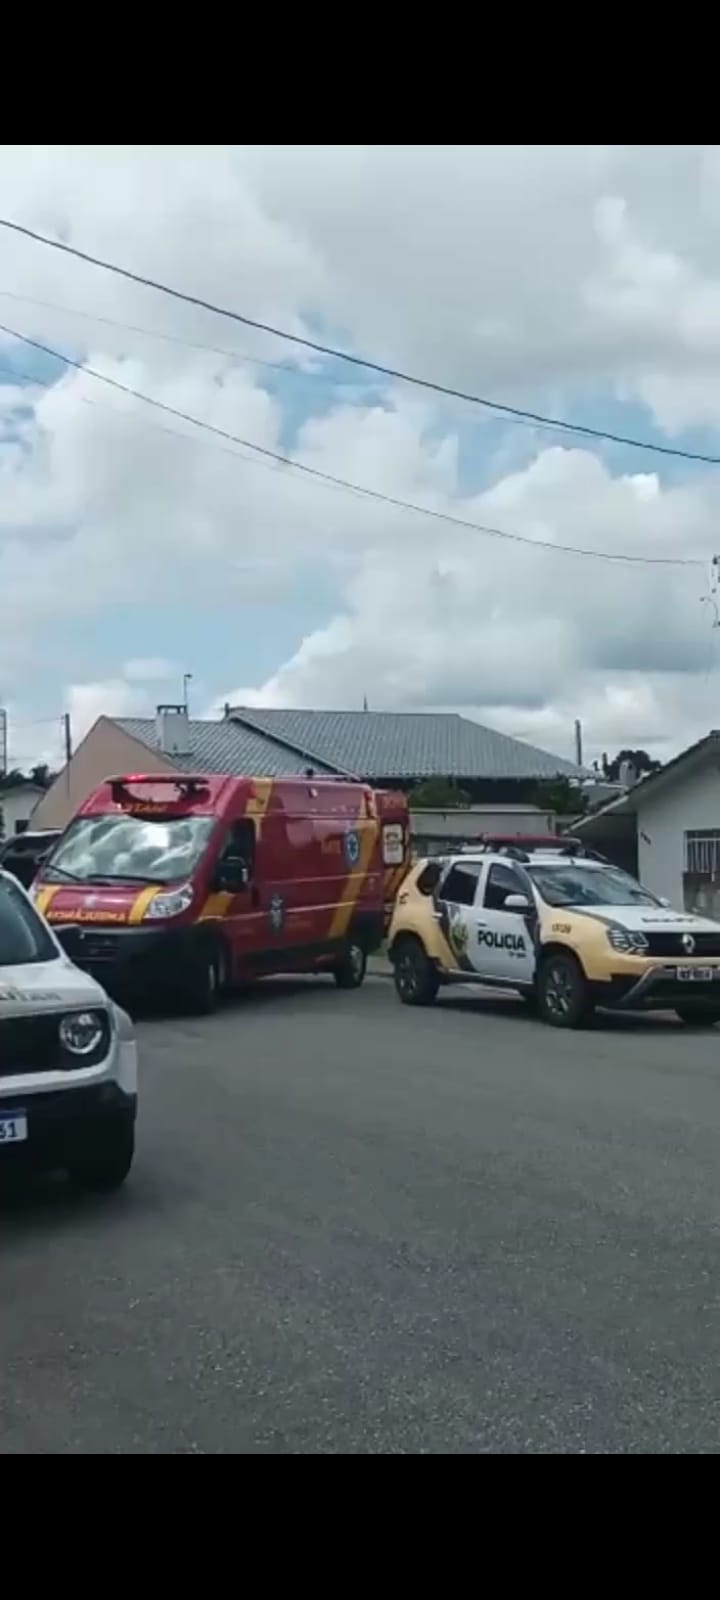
{"points": [[702, 852]]}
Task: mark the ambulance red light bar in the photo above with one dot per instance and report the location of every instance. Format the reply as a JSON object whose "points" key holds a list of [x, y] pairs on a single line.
{"points": [[181, 791]]}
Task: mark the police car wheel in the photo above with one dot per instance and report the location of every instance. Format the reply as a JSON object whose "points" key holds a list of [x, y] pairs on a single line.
{"points": [[107, 1161], [416, 980], [562, 992], [695, 1017], [351, 971]]}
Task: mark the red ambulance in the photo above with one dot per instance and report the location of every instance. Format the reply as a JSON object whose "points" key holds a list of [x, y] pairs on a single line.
{"points": [[192, 883]]}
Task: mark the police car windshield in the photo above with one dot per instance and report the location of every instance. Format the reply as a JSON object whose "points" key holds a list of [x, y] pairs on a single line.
{"points": [[24, 939], [129, 849], [576, 883]]}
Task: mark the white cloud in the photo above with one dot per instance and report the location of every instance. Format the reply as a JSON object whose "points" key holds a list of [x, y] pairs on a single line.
{"points": [[548, 273]]}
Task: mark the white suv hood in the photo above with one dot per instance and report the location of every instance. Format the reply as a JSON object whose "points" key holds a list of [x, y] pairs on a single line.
{"points": [[649, 919], [46, 986]]}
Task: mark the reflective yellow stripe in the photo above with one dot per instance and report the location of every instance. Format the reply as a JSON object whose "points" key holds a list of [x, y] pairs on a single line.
{"points": [[354, 883], [141, 903], [44, 896], [216, 905]]}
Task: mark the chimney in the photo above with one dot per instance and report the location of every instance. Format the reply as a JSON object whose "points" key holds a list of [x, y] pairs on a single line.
{"points": [[173, 731]]}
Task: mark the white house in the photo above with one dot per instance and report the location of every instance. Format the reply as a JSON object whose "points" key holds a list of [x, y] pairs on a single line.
{"points": [[17, 806], [667, 828]]}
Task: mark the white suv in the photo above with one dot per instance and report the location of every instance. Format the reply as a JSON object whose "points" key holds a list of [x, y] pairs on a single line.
{"points": [[68, 1057], [561, 925]]}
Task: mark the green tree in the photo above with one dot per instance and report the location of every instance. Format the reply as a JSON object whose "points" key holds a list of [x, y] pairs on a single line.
{"points": [[438, 794], [561, 796], [640, 759]]}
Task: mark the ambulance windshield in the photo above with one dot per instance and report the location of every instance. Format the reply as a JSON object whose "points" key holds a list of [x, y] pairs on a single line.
{"points": [[128, 849]]}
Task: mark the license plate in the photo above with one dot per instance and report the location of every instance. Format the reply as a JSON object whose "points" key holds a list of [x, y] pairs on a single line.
{"points": [[697, 974], [13, 1127]]}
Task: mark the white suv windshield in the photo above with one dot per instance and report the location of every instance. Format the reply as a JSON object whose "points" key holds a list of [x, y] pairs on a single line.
{"points": [[130, 849], [573, 883], [23, 936]]}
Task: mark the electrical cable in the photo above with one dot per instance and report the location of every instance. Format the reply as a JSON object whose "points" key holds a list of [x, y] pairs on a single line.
{"points": [[362, 490], [396, 373]]}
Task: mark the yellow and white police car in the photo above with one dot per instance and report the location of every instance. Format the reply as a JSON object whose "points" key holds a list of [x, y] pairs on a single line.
{"points": [[559, 924], [68, 1056]]}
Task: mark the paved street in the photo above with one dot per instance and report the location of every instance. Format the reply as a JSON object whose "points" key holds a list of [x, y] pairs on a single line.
{"points": [[357, 1228]]}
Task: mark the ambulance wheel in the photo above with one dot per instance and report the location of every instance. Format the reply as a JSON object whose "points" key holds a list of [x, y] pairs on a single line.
{"points": [[206, 982], [350, 972], [416, 980], [695, 1017], [563, 995]]}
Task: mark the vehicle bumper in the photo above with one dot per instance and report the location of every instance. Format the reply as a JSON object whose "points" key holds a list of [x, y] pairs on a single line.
{"points": [[658, 988], [131, 961], [63, 1123]]}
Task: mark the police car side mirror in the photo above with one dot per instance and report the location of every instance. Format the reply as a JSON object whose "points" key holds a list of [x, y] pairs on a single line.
{"points": [[516, 902], [663, 901], [69, 935]]}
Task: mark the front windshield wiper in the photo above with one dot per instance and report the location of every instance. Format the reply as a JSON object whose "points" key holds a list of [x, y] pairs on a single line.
{"points": [[64, 872], [121, 877]]}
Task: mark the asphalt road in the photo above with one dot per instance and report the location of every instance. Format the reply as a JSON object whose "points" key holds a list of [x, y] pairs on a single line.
{"points": [[357, 1228]]}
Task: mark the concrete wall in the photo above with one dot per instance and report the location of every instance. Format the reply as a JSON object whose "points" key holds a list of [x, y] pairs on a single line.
{"points": [[692, 802], [105, 750], [17, 806]]}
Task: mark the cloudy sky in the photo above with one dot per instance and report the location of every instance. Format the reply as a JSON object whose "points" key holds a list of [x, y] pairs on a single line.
{"points": [[582, 281]]}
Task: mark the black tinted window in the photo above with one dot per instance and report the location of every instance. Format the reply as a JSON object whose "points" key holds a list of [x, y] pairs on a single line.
{"points": [[23, 936], [501, 882], [461, 883]]}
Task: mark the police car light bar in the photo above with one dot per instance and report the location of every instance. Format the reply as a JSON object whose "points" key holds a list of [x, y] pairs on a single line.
{"points": [[536, 841]]}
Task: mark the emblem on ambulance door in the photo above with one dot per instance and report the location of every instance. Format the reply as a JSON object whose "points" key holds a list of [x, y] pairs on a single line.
{"points": [[276, 913], [352, 849]]}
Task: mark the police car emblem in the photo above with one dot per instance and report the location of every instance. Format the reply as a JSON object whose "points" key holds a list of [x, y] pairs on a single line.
{"points": [[276, 913], [688, 943], [352, 849]]}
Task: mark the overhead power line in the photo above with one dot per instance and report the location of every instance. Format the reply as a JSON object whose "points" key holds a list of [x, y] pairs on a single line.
{"points": [[396, 373], [346, 483]]}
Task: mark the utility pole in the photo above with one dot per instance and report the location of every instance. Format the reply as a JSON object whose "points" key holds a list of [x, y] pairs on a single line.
{"points": [[67, 737], [578, 742]]}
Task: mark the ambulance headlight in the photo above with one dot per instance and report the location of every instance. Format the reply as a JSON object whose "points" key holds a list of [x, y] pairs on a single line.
{"points": [[630, 941], [168, 905], [82, 1033]]}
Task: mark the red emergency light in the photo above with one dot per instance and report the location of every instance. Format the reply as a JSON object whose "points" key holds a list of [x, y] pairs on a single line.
{"points": [[536, 841], [181, 792]]}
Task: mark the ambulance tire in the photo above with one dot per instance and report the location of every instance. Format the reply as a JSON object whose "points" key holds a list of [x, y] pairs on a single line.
{"points": [[563, 994], [206, 981], [695, 1017], [416, 979], [350, 972]]}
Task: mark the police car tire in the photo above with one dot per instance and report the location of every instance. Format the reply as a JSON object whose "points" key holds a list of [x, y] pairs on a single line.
{"points": [[695, 1017], [578, 1007], [108, 1159], [350, 972], [408, 956]]}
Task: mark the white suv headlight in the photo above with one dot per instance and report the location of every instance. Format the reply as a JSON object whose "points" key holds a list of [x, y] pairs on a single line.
{"points": [[169, 905], [82, 1032], [628, 940]]}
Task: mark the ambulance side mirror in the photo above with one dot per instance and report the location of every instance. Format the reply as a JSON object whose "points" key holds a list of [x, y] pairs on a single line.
{"points": [[516, 902], [231, 876]]}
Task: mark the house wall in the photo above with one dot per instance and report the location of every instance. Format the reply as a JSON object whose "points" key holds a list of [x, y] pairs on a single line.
{"points": [[17, 806], [693, 802], [105, 750], [436, 831]]}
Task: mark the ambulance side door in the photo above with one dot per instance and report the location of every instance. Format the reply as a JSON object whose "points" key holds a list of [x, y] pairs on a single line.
{"points": [[503, 942]]}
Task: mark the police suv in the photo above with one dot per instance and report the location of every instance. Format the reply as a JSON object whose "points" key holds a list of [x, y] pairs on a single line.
{"points": [[68, 1056], [561, 925]]}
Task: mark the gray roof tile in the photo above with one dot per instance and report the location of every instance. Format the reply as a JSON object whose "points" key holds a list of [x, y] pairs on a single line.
{"points": [[404, 744], [225, 747]]}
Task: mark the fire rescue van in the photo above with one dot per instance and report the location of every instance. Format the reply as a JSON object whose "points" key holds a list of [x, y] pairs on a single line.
{"points": [[195, 883]]}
